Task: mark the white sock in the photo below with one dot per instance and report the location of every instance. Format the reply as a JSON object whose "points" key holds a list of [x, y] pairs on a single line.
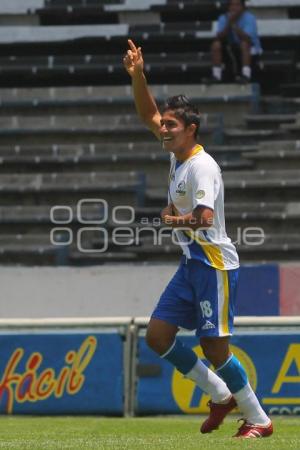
{"points": [[246, 71], [250, 407], [217, 72], [209, 382]]}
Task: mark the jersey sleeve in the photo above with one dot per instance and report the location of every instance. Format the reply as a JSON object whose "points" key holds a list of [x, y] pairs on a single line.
{"points": [[250, 27], [204, 186]]}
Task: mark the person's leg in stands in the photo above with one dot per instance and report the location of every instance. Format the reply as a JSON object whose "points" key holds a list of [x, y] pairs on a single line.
{"points": [[245, 48], [217, 60]]}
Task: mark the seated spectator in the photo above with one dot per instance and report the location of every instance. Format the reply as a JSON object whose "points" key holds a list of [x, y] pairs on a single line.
{"points": [[237, 43]]}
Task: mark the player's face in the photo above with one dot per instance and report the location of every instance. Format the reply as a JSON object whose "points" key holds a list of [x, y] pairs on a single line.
{"points": [[173, 132], [236, 7]]}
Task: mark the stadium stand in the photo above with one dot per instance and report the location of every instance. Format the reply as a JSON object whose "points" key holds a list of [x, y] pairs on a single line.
{"points": [[68, 128]]}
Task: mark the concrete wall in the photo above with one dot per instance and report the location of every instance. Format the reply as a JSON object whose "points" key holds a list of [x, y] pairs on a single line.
{"points": [[133, 290], [81, 292]]}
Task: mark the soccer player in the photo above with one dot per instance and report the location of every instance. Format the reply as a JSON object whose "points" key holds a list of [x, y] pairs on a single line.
{"points": [[237, 40], [201, 294]]}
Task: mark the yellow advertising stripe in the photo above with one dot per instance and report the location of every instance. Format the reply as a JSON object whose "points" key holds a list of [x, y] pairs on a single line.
{"points": [[281, 401], [212, 252], [226, 303]]}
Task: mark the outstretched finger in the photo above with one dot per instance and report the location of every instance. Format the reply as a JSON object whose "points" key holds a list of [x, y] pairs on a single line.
{"points": [[130, 54], [127, 60], [131, 45]]}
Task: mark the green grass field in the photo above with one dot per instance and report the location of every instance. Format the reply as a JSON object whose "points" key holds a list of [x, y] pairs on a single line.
{"points": [[138, 433]]}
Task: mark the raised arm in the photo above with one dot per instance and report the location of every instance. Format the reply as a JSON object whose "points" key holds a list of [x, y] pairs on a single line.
{"points": [[144, 102]]}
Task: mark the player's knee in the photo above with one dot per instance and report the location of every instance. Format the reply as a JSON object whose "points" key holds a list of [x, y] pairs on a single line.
{"points": [[215, 351], [158, 342], [160, 335], [209, 353], [150, 339]]}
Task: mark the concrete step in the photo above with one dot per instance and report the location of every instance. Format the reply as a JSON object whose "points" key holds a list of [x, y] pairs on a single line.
{"points": [[268, 121], [285, 145], [116, 188], [280, 105], [107, 150], [290, 90], [233, 136], [233, 101], [276, 159]]}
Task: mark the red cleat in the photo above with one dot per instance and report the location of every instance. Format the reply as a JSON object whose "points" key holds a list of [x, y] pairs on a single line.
{"points": [[218, 411], [248, 430]]}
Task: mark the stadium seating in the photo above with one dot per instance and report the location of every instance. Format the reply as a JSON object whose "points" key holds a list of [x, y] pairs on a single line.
{"points": [[276, 155], [68, 127], [115, 100]]}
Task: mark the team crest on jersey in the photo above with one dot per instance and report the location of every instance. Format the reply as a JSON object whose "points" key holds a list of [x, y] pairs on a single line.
{"points": [[181, 188], [200, 194]]}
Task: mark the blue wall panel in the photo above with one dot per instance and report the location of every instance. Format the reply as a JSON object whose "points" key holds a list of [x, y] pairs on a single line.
{"points": [[61, 373], [271, 361], [258, 291]]}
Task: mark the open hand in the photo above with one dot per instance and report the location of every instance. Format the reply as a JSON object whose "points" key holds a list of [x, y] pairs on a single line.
{"points": [[133, 60]]}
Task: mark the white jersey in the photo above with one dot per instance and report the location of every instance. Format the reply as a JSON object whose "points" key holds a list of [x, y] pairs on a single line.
{"points": [[194, 182]]}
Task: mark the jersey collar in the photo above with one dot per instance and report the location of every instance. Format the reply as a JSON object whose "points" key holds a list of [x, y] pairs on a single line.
{"points": [[194, 152]]}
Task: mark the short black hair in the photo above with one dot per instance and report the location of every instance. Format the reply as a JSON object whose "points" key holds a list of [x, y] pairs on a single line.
{"points": [[183, 109], [243, 2]]}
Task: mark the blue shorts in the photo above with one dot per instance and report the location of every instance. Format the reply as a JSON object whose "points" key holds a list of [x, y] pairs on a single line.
{"points": [[200, 298]]}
